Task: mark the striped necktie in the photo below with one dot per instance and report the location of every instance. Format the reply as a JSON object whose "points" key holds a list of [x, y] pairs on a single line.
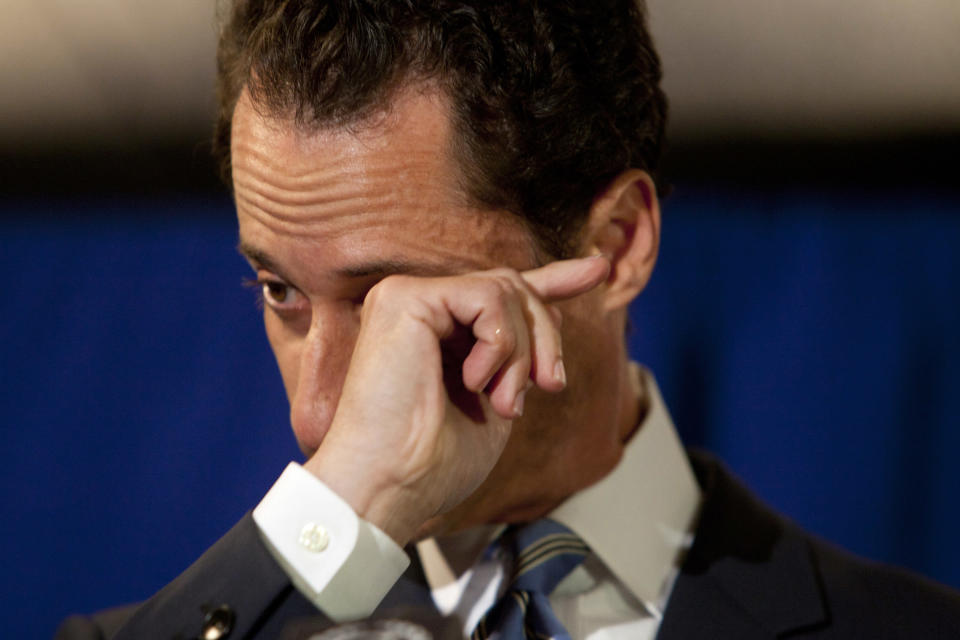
{"points": [[545, 552]]}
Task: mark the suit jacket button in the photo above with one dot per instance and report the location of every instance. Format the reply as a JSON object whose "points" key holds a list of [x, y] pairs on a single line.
{"points": [[218, 623]]}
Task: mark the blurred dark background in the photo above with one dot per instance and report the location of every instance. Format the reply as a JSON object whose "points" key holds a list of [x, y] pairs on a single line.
{"points": [[802, 321]]}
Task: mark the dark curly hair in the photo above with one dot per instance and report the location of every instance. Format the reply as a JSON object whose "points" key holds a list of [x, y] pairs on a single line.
{"points": [[550, 98]]}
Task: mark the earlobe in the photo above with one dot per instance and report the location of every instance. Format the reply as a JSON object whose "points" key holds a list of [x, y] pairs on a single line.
{"points": [[625, 226]]}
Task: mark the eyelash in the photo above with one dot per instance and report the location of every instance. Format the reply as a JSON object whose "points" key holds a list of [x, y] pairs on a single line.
{"points": [[258, 285], [254, 285]]}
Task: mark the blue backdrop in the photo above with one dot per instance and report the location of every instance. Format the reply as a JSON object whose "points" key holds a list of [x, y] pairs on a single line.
{"points": [[809, 338]]}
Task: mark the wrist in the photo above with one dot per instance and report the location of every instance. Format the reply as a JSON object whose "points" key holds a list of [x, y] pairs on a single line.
{"points": [[348, 574], [375, 501]]}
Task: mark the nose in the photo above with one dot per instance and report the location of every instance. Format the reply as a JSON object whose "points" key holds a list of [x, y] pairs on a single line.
{"points": [[322, 366]]}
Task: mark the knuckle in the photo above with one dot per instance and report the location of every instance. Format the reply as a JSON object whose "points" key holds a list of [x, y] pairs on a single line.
{"points": [[387, 289], [508, 278], [503, 272], [504, 287], [386, 297], [492, 290], [503, 340], [506, 341]]}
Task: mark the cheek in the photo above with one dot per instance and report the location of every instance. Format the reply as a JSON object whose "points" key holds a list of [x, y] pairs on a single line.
{"points": [[584, 324], [313, 352], [287, 347]]}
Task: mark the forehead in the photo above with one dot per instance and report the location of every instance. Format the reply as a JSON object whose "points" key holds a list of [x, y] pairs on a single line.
{"points": [[405, 147], [387, 185]]}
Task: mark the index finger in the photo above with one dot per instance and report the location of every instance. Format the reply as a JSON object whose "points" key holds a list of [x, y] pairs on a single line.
{"points": [[565, 279]]}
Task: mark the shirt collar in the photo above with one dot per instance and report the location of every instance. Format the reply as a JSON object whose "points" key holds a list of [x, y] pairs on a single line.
{"points": [[637, 519]]}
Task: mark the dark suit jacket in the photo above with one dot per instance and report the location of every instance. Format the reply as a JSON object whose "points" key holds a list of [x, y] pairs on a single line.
{"points": [[751, 574]]}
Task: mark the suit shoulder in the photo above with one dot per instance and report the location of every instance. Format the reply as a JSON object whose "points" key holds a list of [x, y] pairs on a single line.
{"points": [[793, 584], [99, 626], [862, 594]]}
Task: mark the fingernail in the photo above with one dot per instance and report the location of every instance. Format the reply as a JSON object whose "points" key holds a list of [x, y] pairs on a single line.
{"points": [[559, 373], [518, 404]]}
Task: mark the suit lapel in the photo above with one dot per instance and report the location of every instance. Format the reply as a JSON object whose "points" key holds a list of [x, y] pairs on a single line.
{"points": [[749, 573], [411, 589], [699, 609]]}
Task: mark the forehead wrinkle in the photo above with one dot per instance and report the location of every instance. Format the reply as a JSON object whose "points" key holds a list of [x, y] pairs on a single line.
{"points": [[325, 226], [334, 188], [395, 173], [305, 208], [261, 155], [326, 202], [318, 187], [356, 207]]}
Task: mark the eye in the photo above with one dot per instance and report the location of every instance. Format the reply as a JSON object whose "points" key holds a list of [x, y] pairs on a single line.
{"points": [[275, 292], [277, 295], [280, 296]]}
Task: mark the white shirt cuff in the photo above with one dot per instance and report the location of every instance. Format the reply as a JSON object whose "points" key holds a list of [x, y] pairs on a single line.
{"points": [[341, 563]]}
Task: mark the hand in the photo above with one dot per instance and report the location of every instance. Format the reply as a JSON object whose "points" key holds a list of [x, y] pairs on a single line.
{"points": [[438, 373]]}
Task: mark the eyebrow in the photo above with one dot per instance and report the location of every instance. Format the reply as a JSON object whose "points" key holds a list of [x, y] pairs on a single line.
{"points": [[384, 268], [378, 269], [252, 254]]}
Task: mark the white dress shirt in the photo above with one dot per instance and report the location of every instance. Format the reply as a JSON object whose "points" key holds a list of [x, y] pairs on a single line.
{"points": [[638, 522]]}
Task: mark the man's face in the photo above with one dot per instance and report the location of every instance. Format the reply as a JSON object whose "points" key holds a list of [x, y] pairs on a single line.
{"points": [[324, 216]]}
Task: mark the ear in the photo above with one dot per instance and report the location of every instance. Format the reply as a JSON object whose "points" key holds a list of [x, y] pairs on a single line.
{"points": [[624, 225]]}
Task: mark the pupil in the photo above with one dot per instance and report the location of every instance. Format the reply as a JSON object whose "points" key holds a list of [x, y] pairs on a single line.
{"points": [[277, 291]]}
